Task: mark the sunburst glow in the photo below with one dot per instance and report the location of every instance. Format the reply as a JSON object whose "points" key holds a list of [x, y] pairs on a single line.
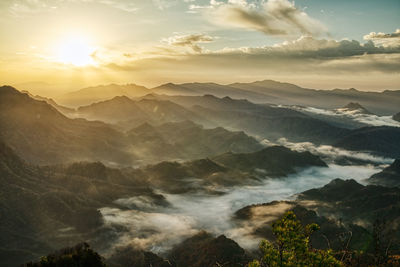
{"points": [[76, 51]]}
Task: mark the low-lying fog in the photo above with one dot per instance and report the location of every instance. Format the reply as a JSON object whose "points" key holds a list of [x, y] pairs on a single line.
{"points": [[157, 229], [369, 119]]}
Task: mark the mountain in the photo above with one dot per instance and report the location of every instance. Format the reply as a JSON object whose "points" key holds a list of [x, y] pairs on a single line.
{"points": [[267, 91], [53, 206], [205, 250], [381, 140], [40, 134], [199, 89], [44, 208], [396, 117], [390, 176], [355, 108], [264, 121], [355, 202], [271, 161], [226, 170], [381, 103], [128, 113], [94, 94], [277, 91], [186, 140], [345, 210], [273, 123], [50, 101]]}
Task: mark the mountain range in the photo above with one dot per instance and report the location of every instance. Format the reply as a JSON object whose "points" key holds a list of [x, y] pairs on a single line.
{"points": [[44, 208], [113, 165], [267, 91], [54, 138], [346, 211]]}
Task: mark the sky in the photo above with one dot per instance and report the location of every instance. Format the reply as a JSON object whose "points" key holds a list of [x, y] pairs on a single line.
{"points": [[319, 44]]}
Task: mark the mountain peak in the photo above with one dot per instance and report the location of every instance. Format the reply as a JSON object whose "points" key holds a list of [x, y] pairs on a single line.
{"points": [[7, 89], [354, 106], [121, 98], [150, 96], [168, 85]]}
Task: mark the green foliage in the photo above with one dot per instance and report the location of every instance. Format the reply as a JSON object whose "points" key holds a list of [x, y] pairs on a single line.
{"points": [[292, 246]]}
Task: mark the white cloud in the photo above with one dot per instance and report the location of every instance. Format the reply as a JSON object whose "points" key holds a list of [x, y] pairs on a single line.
{"points": [[274, 17], [189, 213], [384, 39], [189, 40], [329, 153]]}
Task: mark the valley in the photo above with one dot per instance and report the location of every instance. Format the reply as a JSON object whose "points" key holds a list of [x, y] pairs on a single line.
{"points": [[142, 174]]}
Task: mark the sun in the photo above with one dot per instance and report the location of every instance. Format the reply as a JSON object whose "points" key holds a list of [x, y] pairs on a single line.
{"points": [[76, 51]]}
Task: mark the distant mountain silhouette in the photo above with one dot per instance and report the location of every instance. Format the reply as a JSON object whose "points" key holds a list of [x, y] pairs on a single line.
{"points": [[198, 89], [268, 91], [93, 94], [129, 113]]}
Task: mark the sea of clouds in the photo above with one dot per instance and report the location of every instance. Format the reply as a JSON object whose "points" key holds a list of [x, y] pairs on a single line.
{"points": [[158, 228]]}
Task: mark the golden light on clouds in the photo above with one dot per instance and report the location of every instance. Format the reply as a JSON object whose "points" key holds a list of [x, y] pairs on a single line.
{"points": [[225, 41], [75, 50]]}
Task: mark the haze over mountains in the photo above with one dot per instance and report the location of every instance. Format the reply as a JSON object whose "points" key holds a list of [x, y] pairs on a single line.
{"points": [[144, 174], [266, 91]]}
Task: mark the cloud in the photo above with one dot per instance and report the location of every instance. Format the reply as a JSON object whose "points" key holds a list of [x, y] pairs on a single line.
{"points": [[329, 153], [26, 7], [274, 17], [309, 47], [188, 214], [189, 40], [304, 55], [384, 39], [369, 119]]}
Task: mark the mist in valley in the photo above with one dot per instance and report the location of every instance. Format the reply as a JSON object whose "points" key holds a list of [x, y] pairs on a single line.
{"points": [[191, 213]]}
